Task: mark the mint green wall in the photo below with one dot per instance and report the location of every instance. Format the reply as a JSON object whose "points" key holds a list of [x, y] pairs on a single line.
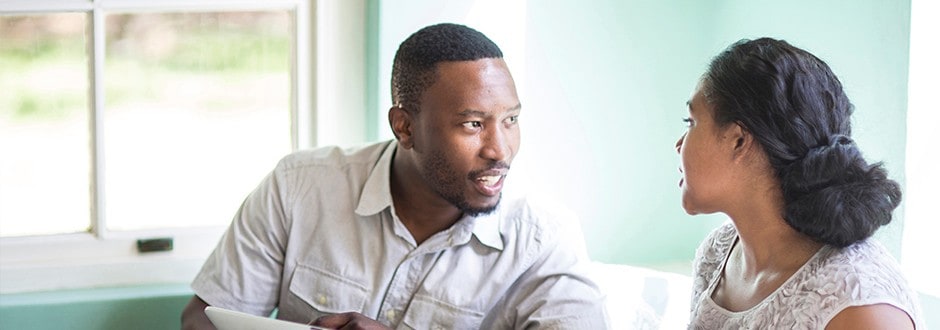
{"points": [[141, 307], [605, 87], [608, 86]]}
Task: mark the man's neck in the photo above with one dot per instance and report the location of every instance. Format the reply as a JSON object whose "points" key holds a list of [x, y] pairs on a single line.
{"points": [[419, 208]]}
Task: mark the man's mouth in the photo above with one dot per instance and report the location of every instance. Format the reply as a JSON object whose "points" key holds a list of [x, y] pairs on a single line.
{"points": [[489, 180]]}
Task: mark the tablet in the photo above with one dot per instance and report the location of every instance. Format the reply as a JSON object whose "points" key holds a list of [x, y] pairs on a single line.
{"points": [[225, 319]]}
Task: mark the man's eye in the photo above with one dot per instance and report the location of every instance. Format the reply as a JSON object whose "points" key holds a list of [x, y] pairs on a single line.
{"points": [[513, 119], [688, 121], [472, 124]]}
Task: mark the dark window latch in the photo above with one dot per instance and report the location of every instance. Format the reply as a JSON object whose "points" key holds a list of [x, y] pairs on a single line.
{"points": [[155, 244]]}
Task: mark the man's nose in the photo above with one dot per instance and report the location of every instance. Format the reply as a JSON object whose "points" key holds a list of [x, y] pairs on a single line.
{"points": [[497, 145]]}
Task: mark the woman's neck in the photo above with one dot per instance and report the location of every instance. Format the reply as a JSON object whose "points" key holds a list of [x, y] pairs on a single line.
{"points": [[767, 242]]}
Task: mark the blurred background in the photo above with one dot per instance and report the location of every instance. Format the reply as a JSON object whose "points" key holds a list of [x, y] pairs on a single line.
{"points": [[122, 121]]}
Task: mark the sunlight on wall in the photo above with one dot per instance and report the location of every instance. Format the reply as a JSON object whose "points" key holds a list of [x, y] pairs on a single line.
{"points": [[503, 22], [920, 227]]}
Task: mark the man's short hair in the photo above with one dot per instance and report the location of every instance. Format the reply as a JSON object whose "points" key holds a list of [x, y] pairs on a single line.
{"points": [[414, 68]]}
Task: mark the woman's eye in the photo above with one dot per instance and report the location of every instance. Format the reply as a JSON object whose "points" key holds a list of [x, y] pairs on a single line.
{"points": [[688, 121], [513, 119]]}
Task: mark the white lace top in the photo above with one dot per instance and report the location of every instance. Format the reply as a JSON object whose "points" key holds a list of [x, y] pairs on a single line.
{"points": [[832, 280]]}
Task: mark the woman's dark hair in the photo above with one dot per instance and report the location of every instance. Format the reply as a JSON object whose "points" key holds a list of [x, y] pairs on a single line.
{"points": [[413, 69], [795, 107]]}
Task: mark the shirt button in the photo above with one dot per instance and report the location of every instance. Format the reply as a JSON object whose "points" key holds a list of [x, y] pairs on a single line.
{"points": [[391, 315], [321, 299]]}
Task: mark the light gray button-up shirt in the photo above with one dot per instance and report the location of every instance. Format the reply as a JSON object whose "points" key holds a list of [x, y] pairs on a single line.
{"points": [[320, 236]]}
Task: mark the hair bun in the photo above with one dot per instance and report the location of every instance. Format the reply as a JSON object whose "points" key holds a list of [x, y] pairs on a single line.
{"points": [[834, 196], [822, 164]]}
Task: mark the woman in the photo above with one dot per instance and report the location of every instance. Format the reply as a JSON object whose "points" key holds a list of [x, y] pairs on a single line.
{"points": [[769, 144]]}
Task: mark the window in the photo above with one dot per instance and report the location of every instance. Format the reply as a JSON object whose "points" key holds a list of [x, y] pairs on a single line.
{"points": [[123, 120], [43, 125], [920, 227], [196, 112]]}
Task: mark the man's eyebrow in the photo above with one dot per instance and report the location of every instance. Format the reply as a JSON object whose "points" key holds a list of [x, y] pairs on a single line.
{"points": [[471, 113], [478, 113], [689, 104]]}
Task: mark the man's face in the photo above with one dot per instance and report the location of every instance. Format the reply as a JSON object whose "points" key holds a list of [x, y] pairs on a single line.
{"points": [[466, 133]]}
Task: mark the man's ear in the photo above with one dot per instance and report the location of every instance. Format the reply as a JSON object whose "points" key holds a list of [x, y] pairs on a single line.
{"points": [[401, 122]]}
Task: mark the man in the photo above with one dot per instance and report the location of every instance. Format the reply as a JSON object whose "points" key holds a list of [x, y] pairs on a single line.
{"points": [[410, 233]]}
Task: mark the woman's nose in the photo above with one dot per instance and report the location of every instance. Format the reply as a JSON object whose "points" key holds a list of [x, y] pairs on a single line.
{"points": [[679, 143]]}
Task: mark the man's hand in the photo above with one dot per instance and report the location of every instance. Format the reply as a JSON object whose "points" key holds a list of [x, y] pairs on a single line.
{"points": [[194, 315], [348, 321]]}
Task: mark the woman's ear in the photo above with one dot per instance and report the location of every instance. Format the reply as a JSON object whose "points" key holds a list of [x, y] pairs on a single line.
{"points": [[740, 138], [400, 121]]}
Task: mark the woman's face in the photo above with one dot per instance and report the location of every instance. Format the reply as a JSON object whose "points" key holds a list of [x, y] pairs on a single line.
{"points": [[706, 159]]}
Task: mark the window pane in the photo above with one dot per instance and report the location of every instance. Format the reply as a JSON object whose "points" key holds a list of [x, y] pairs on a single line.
{"points": [[197, 112], [44, 140]]}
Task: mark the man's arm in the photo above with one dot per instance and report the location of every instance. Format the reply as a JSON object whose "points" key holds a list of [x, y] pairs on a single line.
{"points": [[251, 251], [194, 315], [556, 292]]}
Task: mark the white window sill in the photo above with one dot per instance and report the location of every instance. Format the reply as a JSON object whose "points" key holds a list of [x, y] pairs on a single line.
{"points": [[45, 263]]}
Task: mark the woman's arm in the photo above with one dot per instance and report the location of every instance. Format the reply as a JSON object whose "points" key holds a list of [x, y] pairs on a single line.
{"points": [[878, 316]]}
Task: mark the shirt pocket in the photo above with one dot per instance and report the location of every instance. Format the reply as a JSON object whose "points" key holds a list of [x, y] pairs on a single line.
{"points": [[316, 292], [428, 313]]}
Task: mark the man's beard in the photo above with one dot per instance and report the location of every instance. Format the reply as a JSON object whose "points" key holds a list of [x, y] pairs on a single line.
{"points": [[447, 184]]}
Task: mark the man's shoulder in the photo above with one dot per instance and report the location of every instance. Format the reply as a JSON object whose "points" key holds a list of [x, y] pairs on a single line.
{"points": [[333, 156], [538, 219], [535, 211]]}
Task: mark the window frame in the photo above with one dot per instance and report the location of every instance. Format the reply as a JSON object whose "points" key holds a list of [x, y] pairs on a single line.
{"points": [[101, 258]]}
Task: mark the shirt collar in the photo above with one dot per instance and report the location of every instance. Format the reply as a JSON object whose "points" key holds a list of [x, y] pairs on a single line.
{"points": [[377, 193], [486, 229], [377, 196]]}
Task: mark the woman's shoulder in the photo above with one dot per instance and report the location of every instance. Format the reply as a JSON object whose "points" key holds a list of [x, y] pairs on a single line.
{"points": [[716, 245], [867, 262], [861, 274], [709, 257]]}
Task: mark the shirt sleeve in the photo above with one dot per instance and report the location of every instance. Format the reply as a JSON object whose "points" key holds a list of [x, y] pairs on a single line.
{"points": [[243, 273], [556, 291]]}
